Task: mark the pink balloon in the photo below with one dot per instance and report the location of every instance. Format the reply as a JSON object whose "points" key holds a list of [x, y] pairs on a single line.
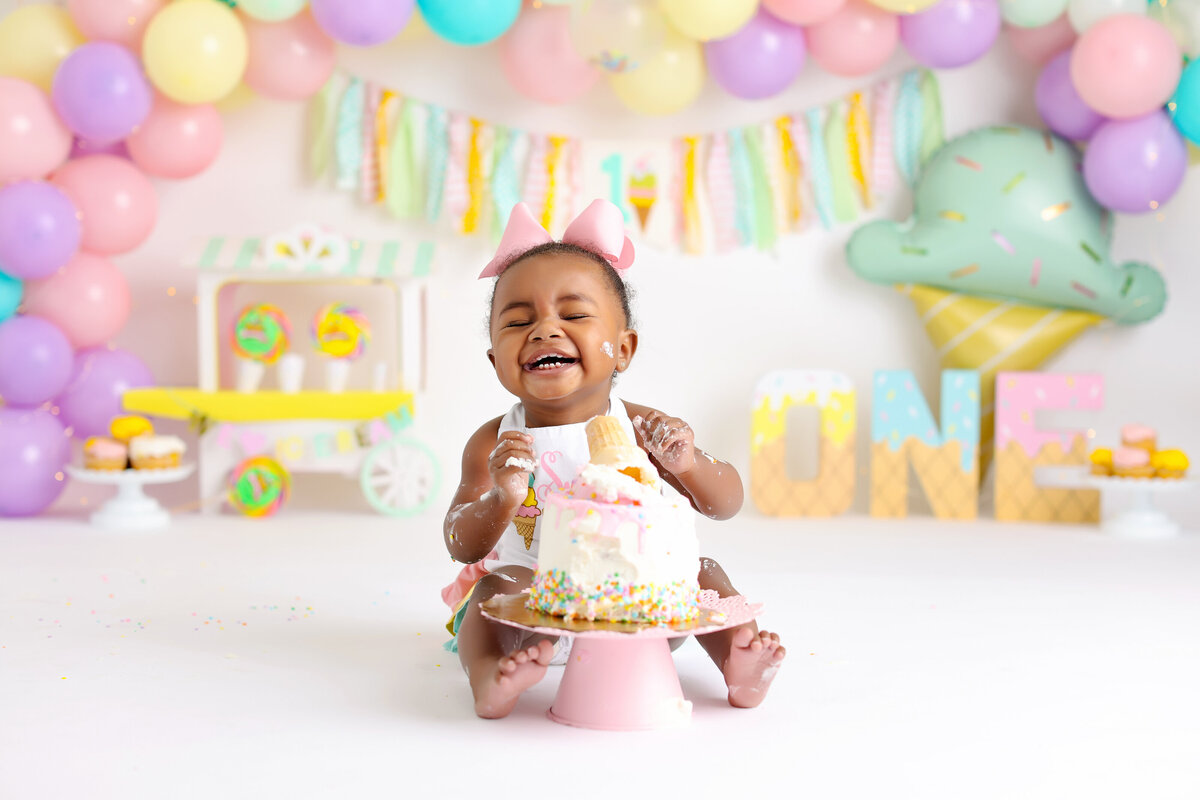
{"points": [[858, 39], [120, 21], [88, 300], [115, 200], [289, 60], [539, 60], [803, 12], [1039, 45], [1125, 66], [176, 140], [33, 140]]}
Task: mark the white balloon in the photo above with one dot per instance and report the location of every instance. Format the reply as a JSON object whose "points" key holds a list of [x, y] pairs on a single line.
{"points": [[1086, 13], [1182, 19]]}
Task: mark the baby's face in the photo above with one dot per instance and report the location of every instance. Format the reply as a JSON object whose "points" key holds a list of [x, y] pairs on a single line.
{"points": [[558, 331]]}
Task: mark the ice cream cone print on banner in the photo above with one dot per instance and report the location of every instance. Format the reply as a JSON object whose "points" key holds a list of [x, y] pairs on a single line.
{"points": [[1021, 448], [773, 490], [945, 460], [1006, 255], [643, 191]]}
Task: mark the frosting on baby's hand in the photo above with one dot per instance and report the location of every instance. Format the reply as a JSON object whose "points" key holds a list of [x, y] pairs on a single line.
{"points": [[523, 463]]}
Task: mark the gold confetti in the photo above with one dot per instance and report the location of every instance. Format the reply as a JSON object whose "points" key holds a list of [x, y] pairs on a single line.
{"points": [[956, 216], [967, 270], [1054, 211]]}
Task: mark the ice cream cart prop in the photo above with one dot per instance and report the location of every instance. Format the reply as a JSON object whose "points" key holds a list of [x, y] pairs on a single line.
{"points": [[367, 306]]}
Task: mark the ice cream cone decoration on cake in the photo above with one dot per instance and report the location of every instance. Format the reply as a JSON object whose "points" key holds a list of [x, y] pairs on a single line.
{"points": [[609, 445]]}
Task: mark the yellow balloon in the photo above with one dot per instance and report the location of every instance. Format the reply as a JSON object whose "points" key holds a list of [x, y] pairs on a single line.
{"points": [[195, 51], [703, 20], [668, 82], [34, 40], [240, 97], [903, 6]]}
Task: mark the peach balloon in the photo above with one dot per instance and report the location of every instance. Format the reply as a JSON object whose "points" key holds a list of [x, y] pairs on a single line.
{"points": [[539, 59], [858, 39], [33, 140], [177, 140], [1125, 66], [1039, 45], [289, 60], [803, 12], [116, 202], [120, 21], [88, 300]]}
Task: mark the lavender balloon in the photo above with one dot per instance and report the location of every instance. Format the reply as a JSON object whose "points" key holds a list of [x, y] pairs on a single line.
{"points": [[363, 22], [759, 60], [951, 33], [35, 361], [1135, 165], [1061, 107], [100, 92], [34, 448], [93, 394], [39, 229]]}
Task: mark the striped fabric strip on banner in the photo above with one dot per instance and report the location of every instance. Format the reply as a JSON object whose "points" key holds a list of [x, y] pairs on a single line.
{"points": [[383, 134], [505, 184], [818, 167], [693, 237], [322, 113], [743, 186], [883, 165], [348, 145], [906, 135], [533, 191], [838, 156], [456, 192], [369, 180], [554, 159], [475, 181], [718, 174], [762, 211], [858, 143], [436, 154]]}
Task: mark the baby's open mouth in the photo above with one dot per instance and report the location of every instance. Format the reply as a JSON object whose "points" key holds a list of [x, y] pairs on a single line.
{"points": [[549, 362]]}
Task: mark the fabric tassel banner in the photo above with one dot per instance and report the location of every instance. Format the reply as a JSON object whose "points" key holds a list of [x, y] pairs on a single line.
{"points": [[701, 193]]}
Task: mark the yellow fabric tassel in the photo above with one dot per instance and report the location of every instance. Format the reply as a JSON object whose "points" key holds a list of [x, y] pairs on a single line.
{"points": [[858, 145], [790, 159], [475, 181], [388, 100], [553, 156], [693, 236]]}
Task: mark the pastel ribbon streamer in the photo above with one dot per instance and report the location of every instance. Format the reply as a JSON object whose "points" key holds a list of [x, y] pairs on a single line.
{"points": [[533, 193], [693, 236], [858, 145], [789, 162], [321, 115], [762, 210], [932, 129], [436, 156], [838, 154], [883, 99], [505, 184], [457, 193], [348, 146], [808, 203], [743, 185], [554, 149], [475, 177], [907, 117], [718, 174], [388, 101], [822, 183], [403, 177], [369, 183]]}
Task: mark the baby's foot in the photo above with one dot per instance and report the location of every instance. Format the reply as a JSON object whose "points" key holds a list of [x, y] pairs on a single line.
{"points": [[751, 666], [514, 674]]}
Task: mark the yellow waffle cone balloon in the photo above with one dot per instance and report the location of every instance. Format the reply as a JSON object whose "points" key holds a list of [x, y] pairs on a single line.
{"points": [[993, 336]]}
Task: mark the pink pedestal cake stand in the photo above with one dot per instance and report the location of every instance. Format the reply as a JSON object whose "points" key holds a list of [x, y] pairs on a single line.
{"points": [[620, 676]]}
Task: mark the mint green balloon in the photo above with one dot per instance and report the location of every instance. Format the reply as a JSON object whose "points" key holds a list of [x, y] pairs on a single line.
{"points": [[1031, 13], [1003, 213], [271, 10]]}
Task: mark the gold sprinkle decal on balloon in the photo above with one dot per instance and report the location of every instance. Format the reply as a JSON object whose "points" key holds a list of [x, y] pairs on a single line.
{"points": [[1012, 184], [965, 271], [969, 164], [956, 216], [1054, 211]]}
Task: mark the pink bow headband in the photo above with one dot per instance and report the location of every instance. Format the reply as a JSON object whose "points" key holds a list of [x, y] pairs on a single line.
{"points": [[600, 228]]}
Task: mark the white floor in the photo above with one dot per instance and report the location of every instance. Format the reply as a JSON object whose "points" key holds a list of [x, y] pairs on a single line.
{"points": [[301, 657]]}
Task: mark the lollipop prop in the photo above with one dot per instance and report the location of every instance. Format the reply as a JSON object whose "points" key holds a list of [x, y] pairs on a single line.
{"points": [[259, 486], [341, 333], [260, 337]]}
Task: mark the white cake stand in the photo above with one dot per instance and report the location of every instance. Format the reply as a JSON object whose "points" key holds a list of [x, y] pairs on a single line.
{"points": [[131, 509], [1142, 519]]}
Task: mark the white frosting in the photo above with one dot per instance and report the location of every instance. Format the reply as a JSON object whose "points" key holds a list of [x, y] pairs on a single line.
{"points": [[523, 463], [155, 446]]}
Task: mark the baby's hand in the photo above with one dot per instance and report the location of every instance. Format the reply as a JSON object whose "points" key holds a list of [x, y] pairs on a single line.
{"points": [[510, 465], [669, 439]]}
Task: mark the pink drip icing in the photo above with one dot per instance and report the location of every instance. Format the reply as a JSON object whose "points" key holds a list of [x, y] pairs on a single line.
{"points": [[611, 516]]}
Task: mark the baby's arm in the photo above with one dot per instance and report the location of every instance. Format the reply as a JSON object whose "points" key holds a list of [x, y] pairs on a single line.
{"points": [[490, 491], [714, 487]]}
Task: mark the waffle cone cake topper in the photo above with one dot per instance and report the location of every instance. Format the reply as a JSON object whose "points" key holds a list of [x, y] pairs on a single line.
{"points": [[609, 445]]}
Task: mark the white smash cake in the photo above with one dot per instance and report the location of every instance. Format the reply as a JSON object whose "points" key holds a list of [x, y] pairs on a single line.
{"points": [[613, 547]]}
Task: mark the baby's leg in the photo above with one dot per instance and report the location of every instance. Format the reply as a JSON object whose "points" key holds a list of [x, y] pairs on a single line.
{"points": [[747, 657], [486, 648]]}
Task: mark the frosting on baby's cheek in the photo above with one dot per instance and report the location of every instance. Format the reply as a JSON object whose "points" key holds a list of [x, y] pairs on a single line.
{"points": [[607, 348]]}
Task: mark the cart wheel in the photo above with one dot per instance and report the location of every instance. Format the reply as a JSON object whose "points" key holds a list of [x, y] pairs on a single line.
{"points": [[400, 477]]}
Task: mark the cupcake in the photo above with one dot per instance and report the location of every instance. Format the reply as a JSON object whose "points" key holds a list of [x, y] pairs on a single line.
{"points": [[155, 452], [1169, 463], [100, 452], [1101, 459], [1132, 462], [125, 428], [1139, 436]]}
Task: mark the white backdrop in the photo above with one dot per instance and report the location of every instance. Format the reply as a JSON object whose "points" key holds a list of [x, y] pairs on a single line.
{"points": [[710, 327]]}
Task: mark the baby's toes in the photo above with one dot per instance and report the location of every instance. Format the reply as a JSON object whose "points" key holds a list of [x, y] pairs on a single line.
{"points": [[542, 653], [742, 637]]}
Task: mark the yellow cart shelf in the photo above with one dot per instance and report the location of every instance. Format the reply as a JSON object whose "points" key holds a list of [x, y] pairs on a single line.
{"points": [[263, 406]]}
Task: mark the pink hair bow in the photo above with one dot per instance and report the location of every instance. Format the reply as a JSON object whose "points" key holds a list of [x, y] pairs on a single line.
{"points": [[600, 228]]}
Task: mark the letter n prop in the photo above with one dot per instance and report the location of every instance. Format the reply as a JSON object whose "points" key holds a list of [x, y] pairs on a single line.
{"points": [[903, 432], [773, 491], [1021, 448]]}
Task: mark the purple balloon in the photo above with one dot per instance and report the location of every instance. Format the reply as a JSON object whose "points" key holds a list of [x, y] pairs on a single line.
{"points": [[35, 361], [758, 61], [364, 22], [81, 148], [34, 448], [93, 394], [100, 92], [1061, 107], [1135, 165], [951, 33], [39, 229]]}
